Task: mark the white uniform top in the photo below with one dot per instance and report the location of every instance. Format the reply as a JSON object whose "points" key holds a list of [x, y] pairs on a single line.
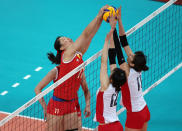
{"points": [[132, 96], [106, 106]]}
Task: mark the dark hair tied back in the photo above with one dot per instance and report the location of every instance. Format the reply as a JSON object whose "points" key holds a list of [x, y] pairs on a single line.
{"points": [[140, 62], [118, 78], [56, 59], [145, 68]]}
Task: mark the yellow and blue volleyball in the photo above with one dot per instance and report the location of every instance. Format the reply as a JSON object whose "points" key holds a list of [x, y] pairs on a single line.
{"points": [[108, 12]]}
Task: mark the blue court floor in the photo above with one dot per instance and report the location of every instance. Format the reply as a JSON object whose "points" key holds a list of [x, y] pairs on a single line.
{"points": [[28, 30]]}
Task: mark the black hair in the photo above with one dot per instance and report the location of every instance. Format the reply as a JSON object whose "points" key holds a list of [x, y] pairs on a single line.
{"points": [[140, 61], [56, 59], [118, 78]]}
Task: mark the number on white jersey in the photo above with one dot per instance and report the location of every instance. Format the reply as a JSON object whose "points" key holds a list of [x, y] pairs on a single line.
{"points": [[114, 98], [139, 81]]}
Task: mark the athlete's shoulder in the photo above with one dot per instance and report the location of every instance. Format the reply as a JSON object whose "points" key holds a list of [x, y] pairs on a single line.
{"points": [[71, 59], [78, 55], [110, 89], [134, 73], [56, 70]]}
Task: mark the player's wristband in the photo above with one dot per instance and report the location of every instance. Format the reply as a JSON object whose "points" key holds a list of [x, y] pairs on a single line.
{"points": [[112, 56], [123, 40]]}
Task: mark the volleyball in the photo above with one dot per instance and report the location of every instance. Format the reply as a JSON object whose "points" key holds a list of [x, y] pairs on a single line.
{"points": [[108, 12]]}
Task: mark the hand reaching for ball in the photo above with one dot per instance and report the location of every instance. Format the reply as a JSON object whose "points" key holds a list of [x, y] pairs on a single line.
{"points": [[113, 21]]}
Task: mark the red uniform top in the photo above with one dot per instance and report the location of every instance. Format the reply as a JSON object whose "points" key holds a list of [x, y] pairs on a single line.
{"points": [[68, 89]]}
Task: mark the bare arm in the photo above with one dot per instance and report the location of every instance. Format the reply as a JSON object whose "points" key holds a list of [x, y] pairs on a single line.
{"points": [[45, 81], [86, 94], [104, 78], [122, 33], [83, 42]]}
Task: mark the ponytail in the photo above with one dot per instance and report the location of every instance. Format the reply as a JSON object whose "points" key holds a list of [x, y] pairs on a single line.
{"points": [[140, 62], [117, 87], [140, 68], [145, 68], [54, 59]]}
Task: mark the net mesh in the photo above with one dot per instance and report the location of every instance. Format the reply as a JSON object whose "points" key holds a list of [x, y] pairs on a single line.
{"points": [[160, 39]]}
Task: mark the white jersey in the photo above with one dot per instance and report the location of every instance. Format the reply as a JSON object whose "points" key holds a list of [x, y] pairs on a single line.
{"points": [[132, 94], [106, 106]]}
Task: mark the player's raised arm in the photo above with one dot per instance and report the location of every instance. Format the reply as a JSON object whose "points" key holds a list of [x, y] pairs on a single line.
{"points": [[115, 48], [104, 79], [83, 42], [122, 35], [121, 60], [112, 54], [112, 50]]}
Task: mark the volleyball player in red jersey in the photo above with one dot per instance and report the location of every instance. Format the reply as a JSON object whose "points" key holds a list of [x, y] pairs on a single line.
{"points": [[132, 97], [62, 111]]}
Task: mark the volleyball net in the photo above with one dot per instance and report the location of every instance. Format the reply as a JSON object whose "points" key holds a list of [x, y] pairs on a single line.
{"points": [[159, 36]]}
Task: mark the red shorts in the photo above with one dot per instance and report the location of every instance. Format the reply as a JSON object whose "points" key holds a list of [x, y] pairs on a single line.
{"points": [[62, 108], [114, 126], [136, 120]]}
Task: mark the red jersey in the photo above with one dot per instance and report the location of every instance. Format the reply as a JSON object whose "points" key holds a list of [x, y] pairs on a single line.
{"points": [[68, 89]]}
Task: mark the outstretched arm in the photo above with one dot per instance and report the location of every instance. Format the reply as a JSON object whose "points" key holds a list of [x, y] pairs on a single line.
{"points": [[83, 42], [121, 60], [104, 78], [122, 35], [115, 48], [112, 50], [112, 54]]}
